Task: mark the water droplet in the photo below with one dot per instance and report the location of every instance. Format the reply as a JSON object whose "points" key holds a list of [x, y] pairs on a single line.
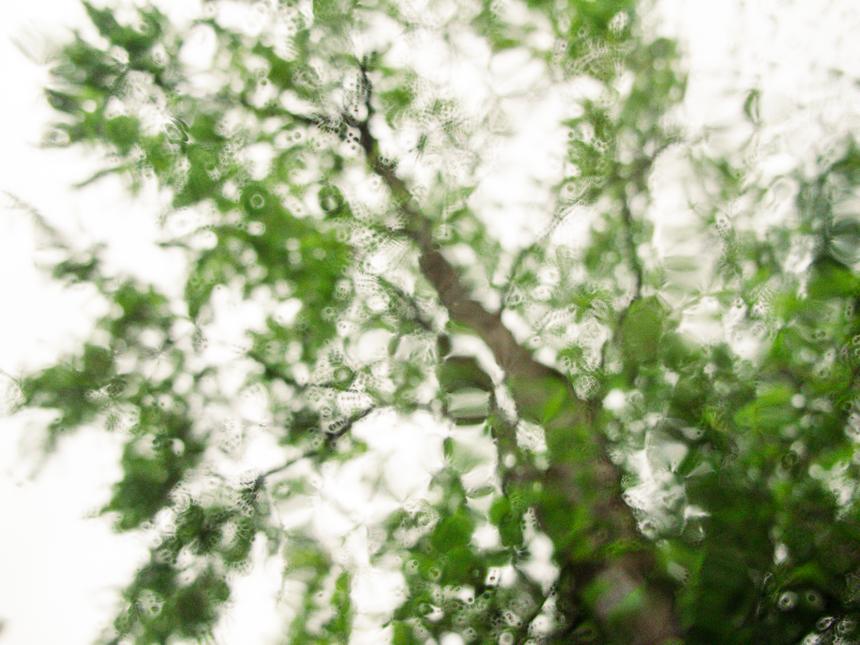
{"points": [[257, 201], [824, 623], [813, 598], [846, 626], [787, 600]]}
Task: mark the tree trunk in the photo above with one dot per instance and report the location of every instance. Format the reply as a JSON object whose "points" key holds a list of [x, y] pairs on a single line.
{"points": [[607, 567]]}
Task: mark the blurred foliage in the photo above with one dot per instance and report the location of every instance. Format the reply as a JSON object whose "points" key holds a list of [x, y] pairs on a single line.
{"points": [[751, 459]]}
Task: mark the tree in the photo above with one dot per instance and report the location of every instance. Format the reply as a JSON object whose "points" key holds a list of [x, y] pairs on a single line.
{"points": [[291, 153]]}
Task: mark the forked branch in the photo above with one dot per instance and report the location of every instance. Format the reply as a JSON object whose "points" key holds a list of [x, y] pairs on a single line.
{"points": [[580, 474]]}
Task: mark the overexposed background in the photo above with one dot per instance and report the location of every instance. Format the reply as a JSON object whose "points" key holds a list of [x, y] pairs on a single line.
{"points": [[60, 570]]}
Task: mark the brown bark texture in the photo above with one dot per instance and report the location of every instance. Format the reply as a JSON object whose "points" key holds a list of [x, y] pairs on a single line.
{"points": [[607, 568]]}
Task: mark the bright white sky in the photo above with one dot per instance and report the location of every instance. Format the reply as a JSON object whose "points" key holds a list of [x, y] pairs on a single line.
{"points": [[59, 571]]}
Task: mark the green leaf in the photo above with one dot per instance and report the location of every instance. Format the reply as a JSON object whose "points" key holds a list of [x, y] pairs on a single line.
{"points": [[771, 410], [752, 108], [832, 280], [642, 330], [453, 531], [463, 372]]}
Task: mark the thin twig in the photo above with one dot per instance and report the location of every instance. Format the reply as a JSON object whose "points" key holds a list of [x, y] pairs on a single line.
{"points": [[104, 172], [271, 371], [333, 436], [632, 253], [55, 237], [316, 452], [628, 224], [287, 464], [417, 316], [523, 254], [522, 631]]}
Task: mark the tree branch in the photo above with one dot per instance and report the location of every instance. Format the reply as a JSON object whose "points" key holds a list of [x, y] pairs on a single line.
{"points": [[277, 469], [581, 475], [316, 452], [632, 253], [628, 224], [635, 267], [355, 418], [523, 253], [404, 297]]}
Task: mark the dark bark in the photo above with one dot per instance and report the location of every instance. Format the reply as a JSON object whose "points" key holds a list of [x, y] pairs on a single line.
{"points": [[605, 563]]}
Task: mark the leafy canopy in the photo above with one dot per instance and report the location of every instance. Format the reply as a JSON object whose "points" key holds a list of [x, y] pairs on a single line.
{"points": [[331, 182]]}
